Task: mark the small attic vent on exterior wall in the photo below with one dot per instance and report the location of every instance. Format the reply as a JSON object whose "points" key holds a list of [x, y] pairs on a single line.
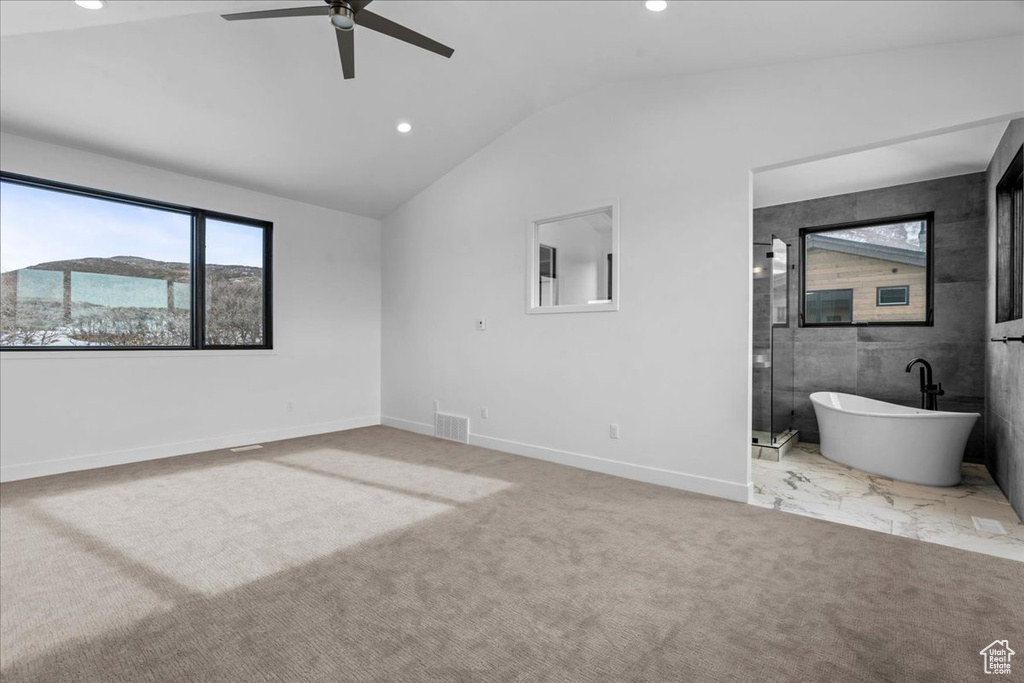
{"points": [[451, 427]]}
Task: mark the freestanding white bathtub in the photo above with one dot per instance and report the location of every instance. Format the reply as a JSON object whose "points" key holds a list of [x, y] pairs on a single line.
{"points": [[909, 444]]}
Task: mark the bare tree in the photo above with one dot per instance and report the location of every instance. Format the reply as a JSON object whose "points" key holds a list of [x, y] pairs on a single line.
{"points": [[114, 326], [234, 311]]}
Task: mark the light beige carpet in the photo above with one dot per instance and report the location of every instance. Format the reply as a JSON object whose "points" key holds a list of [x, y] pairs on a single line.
{"points": [[379, 555]]}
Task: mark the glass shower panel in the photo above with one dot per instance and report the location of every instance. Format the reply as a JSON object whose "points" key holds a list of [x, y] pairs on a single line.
{"points": [[782, 347], [762, 350]]}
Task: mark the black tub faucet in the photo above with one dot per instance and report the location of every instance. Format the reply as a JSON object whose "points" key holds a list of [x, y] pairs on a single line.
{"points": [[929, 392]]}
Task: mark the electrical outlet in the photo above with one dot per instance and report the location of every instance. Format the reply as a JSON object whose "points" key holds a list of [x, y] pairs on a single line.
{"points": [[437, 405], [481, 324], [291, 407], [613, 431], [484, 413]]}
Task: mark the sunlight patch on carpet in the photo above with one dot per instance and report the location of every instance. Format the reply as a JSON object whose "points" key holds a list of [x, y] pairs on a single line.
{"points": [[422, 479], [219, 528], [53, 591]]}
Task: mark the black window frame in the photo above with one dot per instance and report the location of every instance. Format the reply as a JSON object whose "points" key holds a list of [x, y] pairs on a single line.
{"points": [[197, 278], [928, 218], [903, 288]]}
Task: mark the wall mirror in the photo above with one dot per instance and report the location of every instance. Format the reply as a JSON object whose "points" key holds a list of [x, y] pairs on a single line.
{"points": [[573, 264]]}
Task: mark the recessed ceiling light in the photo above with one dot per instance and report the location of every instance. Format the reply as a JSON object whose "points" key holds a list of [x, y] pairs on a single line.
{"points": [[91, 4], [404, 127], [656, 5]]}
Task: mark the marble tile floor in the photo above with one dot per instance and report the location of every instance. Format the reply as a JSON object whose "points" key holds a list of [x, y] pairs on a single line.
{"points": [[805, 483]]}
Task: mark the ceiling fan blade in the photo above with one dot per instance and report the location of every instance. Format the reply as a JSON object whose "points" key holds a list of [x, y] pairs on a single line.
{"points": [[275, 13], [358, 5], [375, 22], [347, 50]]}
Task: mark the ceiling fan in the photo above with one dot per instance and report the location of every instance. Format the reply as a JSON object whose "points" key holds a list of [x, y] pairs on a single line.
{"points": [[345, 15]]}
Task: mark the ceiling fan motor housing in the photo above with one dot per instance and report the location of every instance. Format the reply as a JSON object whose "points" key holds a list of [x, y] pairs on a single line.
{"points": [[342, 16]]}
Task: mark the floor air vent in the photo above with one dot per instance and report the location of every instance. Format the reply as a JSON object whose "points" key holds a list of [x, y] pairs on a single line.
{"points": [[991, 526], [451, 427]]}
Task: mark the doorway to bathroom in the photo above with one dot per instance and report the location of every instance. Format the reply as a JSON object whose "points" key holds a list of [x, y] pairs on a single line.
{"points": [[891, 248]]}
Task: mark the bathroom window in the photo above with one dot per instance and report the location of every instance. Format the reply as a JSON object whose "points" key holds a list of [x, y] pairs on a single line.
{"points": [[892, 296], [868, 273], [1010, 242]]}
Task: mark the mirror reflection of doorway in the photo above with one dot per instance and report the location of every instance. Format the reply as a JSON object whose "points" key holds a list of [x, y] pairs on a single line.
{"points": [[570, 264], [608, 278], [548, 290]]}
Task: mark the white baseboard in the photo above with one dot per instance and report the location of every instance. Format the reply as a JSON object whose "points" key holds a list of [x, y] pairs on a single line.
{"points": [[651, 475], [407, 425], [88, 462]]}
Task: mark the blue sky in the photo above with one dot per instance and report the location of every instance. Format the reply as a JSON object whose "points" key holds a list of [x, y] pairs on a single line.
{"points": [[38, 225], [231, 244]]}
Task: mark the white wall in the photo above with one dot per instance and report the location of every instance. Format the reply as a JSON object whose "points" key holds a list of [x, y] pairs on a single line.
{"points": [[672, 367], [72, 410]]}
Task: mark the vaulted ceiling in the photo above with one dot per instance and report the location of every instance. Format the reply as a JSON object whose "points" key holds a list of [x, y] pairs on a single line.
{"points": [[263, 105]]}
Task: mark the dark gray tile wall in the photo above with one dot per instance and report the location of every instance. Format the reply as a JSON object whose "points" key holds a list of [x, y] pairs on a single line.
{"points": [[1004, 363], [870, 361]]}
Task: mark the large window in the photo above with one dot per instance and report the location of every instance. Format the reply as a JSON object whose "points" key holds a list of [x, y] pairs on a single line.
{"points": [[1010, 242], [88, 269], [869, 273]]}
